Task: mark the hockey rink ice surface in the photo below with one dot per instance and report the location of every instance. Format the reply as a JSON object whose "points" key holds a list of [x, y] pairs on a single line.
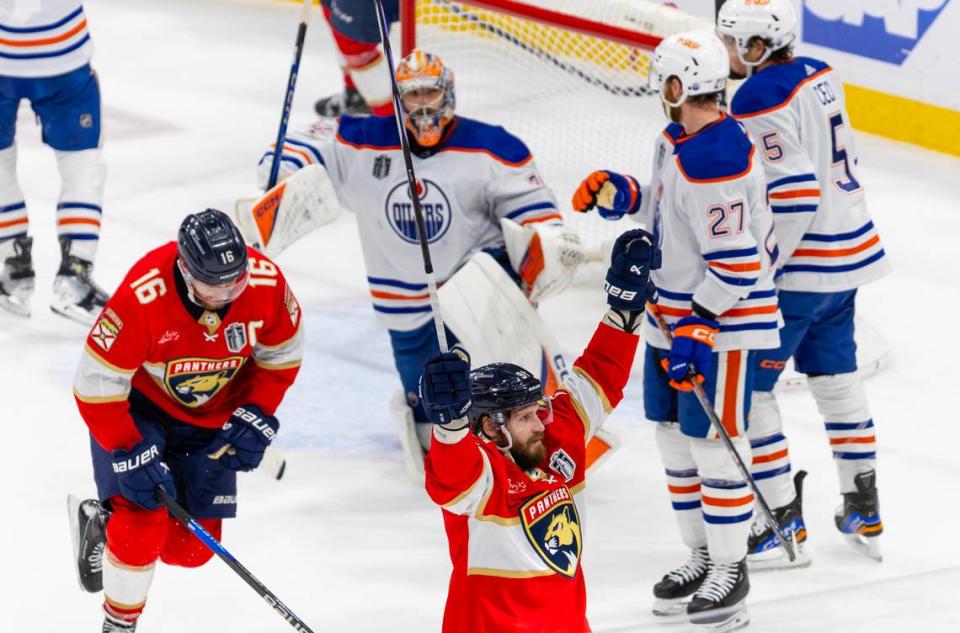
{"points": [[192, 92]]}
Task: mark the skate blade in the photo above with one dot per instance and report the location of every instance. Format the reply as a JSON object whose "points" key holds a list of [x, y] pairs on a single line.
{"points": [[73, 514], [668, 609], [869, 547], [14, 305], [778, 560], [721, 620], [75, 314]]}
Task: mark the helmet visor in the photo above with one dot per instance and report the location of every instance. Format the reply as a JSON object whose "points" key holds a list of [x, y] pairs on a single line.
{"points": [[220, 294], [541, 410]]}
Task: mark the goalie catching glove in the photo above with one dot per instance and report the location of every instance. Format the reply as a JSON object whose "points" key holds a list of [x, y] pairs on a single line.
{"points": [[546, 256], [613, 195]]}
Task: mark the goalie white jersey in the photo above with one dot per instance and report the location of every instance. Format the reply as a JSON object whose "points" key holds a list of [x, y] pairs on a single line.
{"points": [[796, 114], [477, 175], [706, 204]]}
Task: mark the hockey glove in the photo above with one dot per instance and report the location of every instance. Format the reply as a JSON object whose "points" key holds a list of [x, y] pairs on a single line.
{"points": [[628, 282], [244, 438], [693, 339], [139, 471], [611, 193], [445, 387]]}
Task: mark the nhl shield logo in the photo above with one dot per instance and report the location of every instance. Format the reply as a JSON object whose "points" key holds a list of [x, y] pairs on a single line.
{"points": [[381, 166], [236, 337], [552, 525], [192, 382]]}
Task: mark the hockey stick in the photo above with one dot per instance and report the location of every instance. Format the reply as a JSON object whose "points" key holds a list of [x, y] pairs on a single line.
{"points": [[217, 548], [411, 180], [698, 391], [288, 95]]}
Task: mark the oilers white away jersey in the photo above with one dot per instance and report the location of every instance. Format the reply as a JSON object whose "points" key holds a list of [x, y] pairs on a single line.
{"points": [[478, 174], [43, 38], [796, 114], [706, 204]]}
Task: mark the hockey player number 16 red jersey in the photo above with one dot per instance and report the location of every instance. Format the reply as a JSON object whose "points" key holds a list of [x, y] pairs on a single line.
{"points": [[197, 365]]}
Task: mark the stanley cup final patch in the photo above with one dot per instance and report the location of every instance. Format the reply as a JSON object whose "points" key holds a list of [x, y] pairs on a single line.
{"points": [[552, 525]]}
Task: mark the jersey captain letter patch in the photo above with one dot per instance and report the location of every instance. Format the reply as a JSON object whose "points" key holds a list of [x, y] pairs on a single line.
{"points": [[193, 381], [552, 525]]}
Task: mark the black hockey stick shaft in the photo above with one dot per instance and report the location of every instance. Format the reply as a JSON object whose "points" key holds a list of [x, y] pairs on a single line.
{"points": [[412, 180], [704, 401], [217, 548], [288, 95]]}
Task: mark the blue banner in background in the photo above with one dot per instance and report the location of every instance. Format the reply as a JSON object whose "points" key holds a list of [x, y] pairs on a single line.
{"points": [[885, 30]]}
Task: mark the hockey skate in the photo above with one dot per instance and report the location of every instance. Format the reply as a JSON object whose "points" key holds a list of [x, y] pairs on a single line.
{"points": [[763, 547], [88, 523], [671, 592], [116, 625], [16, 275], [859, 516], [350, 101], [75, 295], [719, 605]]}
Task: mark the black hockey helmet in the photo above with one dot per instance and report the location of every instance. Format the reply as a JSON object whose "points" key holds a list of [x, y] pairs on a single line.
{"points": [[213, 256], [499, 388]]}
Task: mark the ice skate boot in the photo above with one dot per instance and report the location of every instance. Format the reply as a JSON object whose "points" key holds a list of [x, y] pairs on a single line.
{"points": [[719, 605], [16, 275], [763, 547], [116, 625], [671, 592], [88, 530], [859, 516], [350, 101], [75, 295]]}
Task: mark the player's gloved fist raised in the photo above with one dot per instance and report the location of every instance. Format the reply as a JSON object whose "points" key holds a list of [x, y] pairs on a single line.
{"points": [[611, 193], [139, 471], [693, 338], [244, 438], [445, 386], [628, 282]]}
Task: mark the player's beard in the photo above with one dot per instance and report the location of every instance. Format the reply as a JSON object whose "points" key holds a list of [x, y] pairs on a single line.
{"points": [[530, 454]]}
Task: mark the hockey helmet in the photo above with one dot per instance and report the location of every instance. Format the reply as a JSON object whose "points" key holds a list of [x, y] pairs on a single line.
{"points": [[774, 21], [213, 257], [697, 58], [498, 389], [423, 75]]}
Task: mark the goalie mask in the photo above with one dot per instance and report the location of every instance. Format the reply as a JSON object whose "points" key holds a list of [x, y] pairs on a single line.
{"points": [[501, 391], [212, 258], [427, 96]]}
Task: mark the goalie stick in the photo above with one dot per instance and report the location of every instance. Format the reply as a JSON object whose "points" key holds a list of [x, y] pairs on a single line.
{"points": [[789, 545], [411, 180], [217, 548]]}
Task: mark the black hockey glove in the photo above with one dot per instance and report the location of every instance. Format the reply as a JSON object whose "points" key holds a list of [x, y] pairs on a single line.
{"points": [[244, 438], [628, 282], [445, 387], [139, 471]]}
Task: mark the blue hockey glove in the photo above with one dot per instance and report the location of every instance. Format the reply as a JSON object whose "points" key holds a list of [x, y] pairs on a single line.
{"points": [[244, 438], [612, 194], [628, 282], [693, 339], [445, 387], [139, 471]]}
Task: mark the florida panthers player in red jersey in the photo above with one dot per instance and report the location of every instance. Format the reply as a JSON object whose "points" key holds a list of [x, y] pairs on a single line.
{"points": [[178, 383], [507, 466]]}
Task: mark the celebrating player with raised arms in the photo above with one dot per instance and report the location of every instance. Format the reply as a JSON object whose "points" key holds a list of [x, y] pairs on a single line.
{"points": [[178, 384], [707, 206], [794, 109], [480, 192], [507, 465], [45, 53]]}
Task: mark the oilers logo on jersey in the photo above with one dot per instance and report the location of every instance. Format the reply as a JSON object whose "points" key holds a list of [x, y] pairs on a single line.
{"points": [[434, 203], [194, 381], [552, 525]]}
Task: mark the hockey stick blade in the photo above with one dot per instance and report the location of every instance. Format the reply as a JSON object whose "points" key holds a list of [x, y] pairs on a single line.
{"points": [[302, 203]]}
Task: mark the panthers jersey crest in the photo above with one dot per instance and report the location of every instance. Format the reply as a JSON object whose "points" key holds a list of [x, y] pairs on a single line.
{"points": [[552, 525], [192, 382]]}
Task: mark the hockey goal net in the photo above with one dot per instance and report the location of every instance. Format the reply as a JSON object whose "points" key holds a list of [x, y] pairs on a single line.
{"points": [[568, 77]]}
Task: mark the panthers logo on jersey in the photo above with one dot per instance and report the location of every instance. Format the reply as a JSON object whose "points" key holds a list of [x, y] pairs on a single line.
{"points": [[437, 215], [552, 525], [192, 382]]}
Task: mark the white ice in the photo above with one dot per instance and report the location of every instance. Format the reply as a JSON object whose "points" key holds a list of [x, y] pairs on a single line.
{"points": [[192, 92]]}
